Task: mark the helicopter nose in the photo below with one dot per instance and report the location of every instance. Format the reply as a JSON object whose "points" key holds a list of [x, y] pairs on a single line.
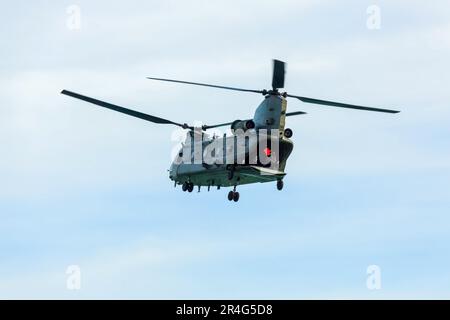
{"points": [[173, 171]]}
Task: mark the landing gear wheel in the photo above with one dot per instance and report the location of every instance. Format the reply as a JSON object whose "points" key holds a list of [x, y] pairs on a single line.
{"points": [[280, 185], [236, 196], [184, 187], [230, 195], [190, 187]]}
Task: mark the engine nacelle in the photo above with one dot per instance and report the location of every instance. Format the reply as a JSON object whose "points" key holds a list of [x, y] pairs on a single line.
{"points": [[242, 125]]}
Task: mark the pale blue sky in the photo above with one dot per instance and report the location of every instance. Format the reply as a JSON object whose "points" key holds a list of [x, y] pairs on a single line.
{"points": [[84, 186]]}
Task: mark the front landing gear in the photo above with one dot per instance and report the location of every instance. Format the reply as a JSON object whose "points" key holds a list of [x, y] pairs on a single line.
{"points": [[233, 195], [187, 186]]}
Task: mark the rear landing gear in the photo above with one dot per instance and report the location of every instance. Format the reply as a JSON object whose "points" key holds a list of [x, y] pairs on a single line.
{"points": [[233, 195], [280, 185]]}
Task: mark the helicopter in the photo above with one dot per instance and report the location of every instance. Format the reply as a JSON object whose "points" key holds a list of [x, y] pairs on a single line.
{"points": [[255, 152]]}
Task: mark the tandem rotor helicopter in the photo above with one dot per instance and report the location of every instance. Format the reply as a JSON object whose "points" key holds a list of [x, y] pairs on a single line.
{"points": [[239, 166]]}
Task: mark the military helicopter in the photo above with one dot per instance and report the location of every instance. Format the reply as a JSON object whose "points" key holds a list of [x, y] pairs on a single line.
{"points": [[245, 167]]}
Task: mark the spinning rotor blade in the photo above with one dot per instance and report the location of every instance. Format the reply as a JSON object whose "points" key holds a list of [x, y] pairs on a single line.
{"points": [[129, 112], [341, 105], [207, 85], [278, 74]]}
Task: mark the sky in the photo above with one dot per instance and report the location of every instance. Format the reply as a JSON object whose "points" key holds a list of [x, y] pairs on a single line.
{"points": [[86, 187]]}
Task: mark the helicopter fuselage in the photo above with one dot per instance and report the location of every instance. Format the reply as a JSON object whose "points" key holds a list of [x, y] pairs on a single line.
{"points": [[235, 163]]}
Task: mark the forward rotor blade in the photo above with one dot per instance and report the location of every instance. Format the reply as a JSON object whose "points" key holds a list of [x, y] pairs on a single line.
{"points": [[129, 112], [205, 127], [207, 85], [289, 114], [278, 74], [341, 105]]}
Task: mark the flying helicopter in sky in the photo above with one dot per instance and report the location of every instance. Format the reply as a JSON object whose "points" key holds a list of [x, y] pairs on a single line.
{"points": [[236, 159]]}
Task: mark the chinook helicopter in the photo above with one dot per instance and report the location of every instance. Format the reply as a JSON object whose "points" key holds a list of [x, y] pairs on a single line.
{"points": [[233, 163]]}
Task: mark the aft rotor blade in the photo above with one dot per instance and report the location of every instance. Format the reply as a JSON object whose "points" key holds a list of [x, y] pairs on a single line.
{"points": [[296, 113], [278, 74], [341, 105], [207, 85], [129, 112]]}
